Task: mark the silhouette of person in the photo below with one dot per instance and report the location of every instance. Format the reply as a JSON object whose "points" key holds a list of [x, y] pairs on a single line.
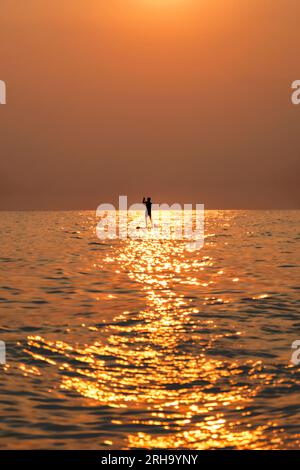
{"points": [[148, 213]]}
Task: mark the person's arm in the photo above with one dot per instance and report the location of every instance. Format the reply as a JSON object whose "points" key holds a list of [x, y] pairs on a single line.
{"points": [[144, 200]]}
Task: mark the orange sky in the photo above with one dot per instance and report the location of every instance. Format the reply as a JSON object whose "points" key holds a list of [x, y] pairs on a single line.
{"points": [[184, 100]]}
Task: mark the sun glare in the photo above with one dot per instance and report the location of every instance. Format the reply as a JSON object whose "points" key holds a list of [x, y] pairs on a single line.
{"points": [[164, 3], [167, 6]]}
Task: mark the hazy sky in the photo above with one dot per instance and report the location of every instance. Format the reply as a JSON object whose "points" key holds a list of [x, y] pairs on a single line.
{"points": [[183, 100]]}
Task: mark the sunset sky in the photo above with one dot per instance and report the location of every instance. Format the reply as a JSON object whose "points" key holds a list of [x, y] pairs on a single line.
{"points": [[181, 100]]}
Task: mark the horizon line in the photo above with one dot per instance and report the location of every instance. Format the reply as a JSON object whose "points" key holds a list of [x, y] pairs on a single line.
{"points": [[206, 209]]}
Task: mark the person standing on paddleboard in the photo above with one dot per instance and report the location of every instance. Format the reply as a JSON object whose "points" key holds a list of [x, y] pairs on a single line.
{"points": [[147, 202]]}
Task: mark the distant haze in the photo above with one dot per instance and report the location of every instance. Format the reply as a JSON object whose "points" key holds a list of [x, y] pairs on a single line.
{"points": [[184, 101]]}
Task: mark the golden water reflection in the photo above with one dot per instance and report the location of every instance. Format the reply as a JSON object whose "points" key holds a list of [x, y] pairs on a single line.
{"points": [[153, 367]]}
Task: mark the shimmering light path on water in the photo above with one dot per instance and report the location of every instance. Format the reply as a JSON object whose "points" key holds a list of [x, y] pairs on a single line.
{"points": [[141, 343]]}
